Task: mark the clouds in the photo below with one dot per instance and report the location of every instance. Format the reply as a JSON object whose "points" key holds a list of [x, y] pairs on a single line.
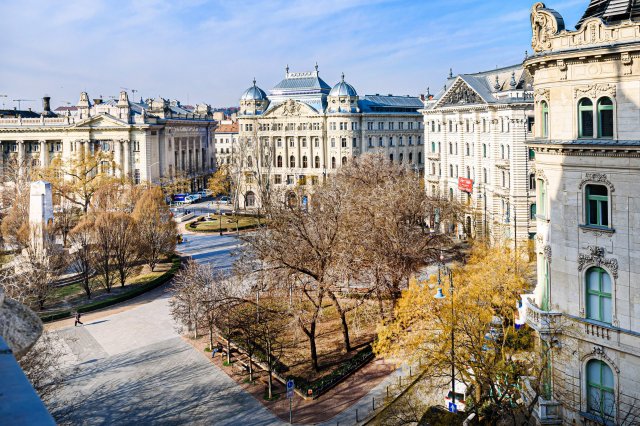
{"points": [[209, 50]]}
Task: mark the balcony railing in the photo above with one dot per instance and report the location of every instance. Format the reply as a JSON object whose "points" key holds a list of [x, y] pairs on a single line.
{"points": [[503, 163], [596, 330], [433, 155], [544, 322]]}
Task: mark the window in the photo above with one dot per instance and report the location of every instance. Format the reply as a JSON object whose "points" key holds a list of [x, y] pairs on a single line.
{"points": [[354, 142], [369, 125], [279, 161], [401, 125], [381, 125], [605, 118], [354, 126], [467, 150], [585, 118], [400, 158], [317, 162], [344, 161], [532, 154], [508, 152], [545, 119], [419, 157], [136, 176], [305, 162], [304, 142], [532, 181], [485, 176], [597, 205], [390, 140], [450, 148], [433, 147], [400, 141], [391, 125], [411, 157], [292, 161], [380, 142], [333, 143], [333, 162], [532, 212], [484, 150], [450, 170], [277, 179], [598, 295], [291, 143], [279, 143], [249, 161], [370, 144], [542, 197], [502, 151], [600, 396], [468, 173], [316, 143], [391, 157], [344, 142]]}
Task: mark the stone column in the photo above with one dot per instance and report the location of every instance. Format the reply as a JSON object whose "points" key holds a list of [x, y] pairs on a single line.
{"points": [[117, 157], [127, 158], [87, 148], [20, 157], [43, 154]]}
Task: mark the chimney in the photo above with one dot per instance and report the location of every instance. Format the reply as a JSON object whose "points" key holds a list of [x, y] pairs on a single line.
{"points": [[46, 104]]}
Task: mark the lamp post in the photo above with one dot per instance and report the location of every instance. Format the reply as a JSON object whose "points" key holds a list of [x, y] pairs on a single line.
{"points": [[440, 296]]}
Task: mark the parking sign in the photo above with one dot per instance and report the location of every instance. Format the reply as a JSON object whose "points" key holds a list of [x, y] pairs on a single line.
{"points": [[290, 387]]}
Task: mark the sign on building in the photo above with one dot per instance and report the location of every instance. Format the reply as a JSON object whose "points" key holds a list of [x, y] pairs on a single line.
{"points": [[465, 184]]}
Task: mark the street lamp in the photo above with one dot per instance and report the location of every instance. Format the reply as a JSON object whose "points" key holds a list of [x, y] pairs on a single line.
{"points": [[440, 296]]}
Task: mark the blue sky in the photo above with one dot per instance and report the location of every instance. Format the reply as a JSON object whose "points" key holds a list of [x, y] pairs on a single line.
{"points": [[210, 50]]}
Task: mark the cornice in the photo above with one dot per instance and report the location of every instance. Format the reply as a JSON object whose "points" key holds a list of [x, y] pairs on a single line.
{"points": [[620, 151]]}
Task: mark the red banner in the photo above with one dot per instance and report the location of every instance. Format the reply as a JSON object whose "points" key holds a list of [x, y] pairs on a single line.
{"points": [[465, 185]]}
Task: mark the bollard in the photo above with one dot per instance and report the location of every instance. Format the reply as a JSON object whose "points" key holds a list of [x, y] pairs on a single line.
{"points": [[387, 391], [373, 403], [357, 416], [409, 371]]}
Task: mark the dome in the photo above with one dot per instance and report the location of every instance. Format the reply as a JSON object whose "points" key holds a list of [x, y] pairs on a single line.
{"points": [[254, 93], [343, 89]]}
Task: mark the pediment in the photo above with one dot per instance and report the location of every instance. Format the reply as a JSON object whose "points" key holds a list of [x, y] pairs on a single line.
{"points": [[291, 108], [460, 93], [101, 121]]}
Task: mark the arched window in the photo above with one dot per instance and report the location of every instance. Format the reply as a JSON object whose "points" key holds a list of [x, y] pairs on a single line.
{"points": [[433, 169], [249, 161], [411, 157], [250, 199], [485, 176], [305, 163], [502, 151], [597, 205], [292, 161], [317, 162], [450, 148], [467, 146], [532, 154], [504, 180], [450, 170], [468, 173], [598, 295], [279, 161], [333, 162], [600, 385], [532, 212], [585, 118], [545, 118], [433, 147], [450, 193], [391, 157], [400, 158], [484, 150], [605, 118], [420, 158], [344, 161], [532, 181]]}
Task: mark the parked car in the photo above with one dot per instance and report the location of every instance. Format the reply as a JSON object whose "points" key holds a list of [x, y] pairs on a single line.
{"points": [[179, 197], [223, 200], [461, 396], [189, 199]]}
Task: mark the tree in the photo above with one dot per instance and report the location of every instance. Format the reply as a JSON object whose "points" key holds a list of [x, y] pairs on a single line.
{"points": [[66, 216], [78, 179], [219, 182], [490, 356], [156, 227], [244, 321], [80, 252], [104, 240], [125, 244], [186, 302], [274, 317]]}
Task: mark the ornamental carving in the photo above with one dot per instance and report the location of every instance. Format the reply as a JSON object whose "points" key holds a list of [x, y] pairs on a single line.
{"points": [[546, 251], [627, 61], [593, 31], [595, 91], [462, 95], [596, 258], [291, 107], [540, 175], [544, 25], [599, 352], [562, 66], [596, 178]]}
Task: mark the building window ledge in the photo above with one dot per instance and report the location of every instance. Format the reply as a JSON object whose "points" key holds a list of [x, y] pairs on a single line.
{"points": [[597, 229], [598, 419]]}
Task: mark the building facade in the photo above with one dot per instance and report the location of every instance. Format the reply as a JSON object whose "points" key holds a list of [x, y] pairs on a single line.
{"points": [[148, 141], [475, 133], [586, 305], [225, 138], [305, 129]]}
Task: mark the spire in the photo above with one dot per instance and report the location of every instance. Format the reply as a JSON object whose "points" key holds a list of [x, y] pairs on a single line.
{"points": [[450, 72], [428, 93], [254, 82], [316, 66], [343, 77], [497, 85], [287, 69]]}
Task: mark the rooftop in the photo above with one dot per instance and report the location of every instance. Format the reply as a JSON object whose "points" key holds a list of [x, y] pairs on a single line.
{"points": [[612, 11]]}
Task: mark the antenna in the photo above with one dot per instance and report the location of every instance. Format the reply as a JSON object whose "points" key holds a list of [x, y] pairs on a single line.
{"points": [[22, 100], [133, 92], [3, 96]]}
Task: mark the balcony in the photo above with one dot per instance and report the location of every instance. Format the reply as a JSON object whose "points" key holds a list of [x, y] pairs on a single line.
{"points": [[433, 156], [433, 178], [544, 322], [503, 163]]}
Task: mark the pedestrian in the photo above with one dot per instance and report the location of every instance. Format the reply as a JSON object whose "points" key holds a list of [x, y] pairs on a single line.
{"points": [[78, 320]]}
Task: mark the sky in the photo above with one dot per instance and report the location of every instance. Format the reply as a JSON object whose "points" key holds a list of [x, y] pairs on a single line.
{"points": [[210, 50]]}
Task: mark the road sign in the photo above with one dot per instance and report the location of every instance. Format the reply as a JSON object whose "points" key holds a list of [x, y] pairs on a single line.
{"points": [[290, 387], [453, 407]]}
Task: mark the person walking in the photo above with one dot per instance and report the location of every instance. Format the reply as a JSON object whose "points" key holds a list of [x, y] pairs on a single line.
{"points": [[78, 320]]}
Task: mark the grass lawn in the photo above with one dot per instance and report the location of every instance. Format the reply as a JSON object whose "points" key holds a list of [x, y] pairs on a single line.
{"points": [[228, 223]]}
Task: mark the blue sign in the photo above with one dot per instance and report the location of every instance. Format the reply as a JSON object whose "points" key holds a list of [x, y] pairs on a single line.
{"points": [[453, 408], [290, 387]]}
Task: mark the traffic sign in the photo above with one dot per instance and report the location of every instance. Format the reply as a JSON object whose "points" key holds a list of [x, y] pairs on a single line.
{"points": [[453, 407], [290, 387]]}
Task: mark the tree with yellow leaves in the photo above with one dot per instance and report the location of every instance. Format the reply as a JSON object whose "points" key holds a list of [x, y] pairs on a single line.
{"points": [[490, 356], [219, 183]]}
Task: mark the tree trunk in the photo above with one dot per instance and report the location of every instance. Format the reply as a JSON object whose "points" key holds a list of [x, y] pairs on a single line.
{"points": [[210, 336], [312, 346], [343, 321], [250, 367], [228, 346]]}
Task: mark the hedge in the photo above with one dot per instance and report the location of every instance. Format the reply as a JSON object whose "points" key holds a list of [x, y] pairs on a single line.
{"points": [[227, 230], [99, 304]]}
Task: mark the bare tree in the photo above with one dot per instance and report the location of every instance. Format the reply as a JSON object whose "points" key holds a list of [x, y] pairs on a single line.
{"points": [[125, 245], [186, 302], [104, 240], [81, 253]]}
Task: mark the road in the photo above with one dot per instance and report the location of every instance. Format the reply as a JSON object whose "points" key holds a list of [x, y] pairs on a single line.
{"points": [[134, 368]]}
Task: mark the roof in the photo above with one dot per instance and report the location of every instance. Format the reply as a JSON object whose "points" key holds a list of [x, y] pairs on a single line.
{"points": [[301, 82], [253, 93], [390, 103], [10, 113], [611, 11], [66, 108], [227, 128], [343, 89]]}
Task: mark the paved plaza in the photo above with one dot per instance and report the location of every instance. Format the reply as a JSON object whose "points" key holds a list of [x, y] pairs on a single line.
{"points": [[134, 368]]}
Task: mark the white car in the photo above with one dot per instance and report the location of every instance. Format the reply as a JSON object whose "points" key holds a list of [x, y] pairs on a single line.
{"points": [[461, 396]]}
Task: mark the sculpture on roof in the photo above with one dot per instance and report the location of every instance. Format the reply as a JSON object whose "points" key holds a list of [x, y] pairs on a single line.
{"points": [[545, 23], [462, 95]]}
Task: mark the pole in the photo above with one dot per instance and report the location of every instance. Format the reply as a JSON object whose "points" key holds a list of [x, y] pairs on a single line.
{"points": [[290, 413], [220, 221], [453, 366]]}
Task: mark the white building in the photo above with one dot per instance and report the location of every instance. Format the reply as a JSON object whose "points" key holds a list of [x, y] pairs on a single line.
{"points": [[307, 130], [586, 306], [475, 132], [148, 140]]}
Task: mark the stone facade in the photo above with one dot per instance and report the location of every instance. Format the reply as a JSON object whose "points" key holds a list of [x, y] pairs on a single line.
{"points": [[475, 134], [306, 130], [586, 305], [149, 140]]}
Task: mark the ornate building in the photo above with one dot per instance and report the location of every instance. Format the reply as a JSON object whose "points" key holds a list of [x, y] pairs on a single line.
{"points": [[586, 305], [475, 132], [148, 140], [307, 129]]}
